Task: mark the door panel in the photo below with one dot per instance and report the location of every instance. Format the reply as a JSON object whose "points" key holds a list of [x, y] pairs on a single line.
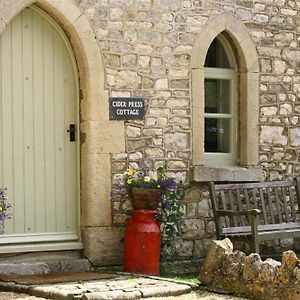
{"points": [[38, 101]]}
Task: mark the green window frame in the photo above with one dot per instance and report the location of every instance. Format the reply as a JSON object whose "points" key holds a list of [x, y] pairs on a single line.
{"points": [[221, 107]]}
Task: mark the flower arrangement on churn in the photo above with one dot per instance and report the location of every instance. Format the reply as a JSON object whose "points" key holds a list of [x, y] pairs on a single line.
{"points": [[4, 208], [145, 188]]}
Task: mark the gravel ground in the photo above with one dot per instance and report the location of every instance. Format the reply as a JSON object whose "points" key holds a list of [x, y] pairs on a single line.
{"points": [[199, 295]]}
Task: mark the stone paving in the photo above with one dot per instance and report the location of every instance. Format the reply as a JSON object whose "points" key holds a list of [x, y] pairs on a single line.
{"points": [[197, 295], [120, 288]]}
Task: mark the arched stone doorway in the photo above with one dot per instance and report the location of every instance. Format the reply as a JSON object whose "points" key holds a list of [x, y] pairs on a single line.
{"points": [[99, 137]]}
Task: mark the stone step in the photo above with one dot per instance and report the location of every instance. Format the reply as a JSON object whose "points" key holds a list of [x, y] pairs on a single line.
{"points": [[43, 263]]}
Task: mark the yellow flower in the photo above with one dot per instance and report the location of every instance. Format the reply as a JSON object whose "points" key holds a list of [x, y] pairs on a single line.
{"points": [[158, 186], [129, 181], [147, 179], [155, 178], [1, 208], [130, 171]]}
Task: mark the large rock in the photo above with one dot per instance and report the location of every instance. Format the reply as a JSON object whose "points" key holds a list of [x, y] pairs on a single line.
{"points": [[214, 261], [225, 270]]}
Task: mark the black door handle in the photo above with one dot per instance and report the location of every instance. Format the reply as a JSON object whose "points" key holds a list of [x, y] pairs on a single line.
{"points": [[71, 131]]}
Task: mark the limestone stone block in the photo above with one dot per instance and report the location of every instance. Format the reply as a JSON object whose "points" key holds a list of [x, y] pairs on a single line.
{"points": [[285, 109], [193, 195], [184, 248], [273, 134], [103, 245], [129, 60], [178, 72], [144, 61], [178, 60], [261, 18], [176, 140], [292, 55], [134, 145], [296, 88], [192, 228], [269, 51], [103, 137], [162, 83], [295, 136], [196, 22], [133, 131], [191, 209], [176, 164], [167, 4], [128, 79], [178, 102], [153, 131], [203, 209], [136, 155], [244, 14], [154, 153], [279, 66], [288, 11], [96, 189], [159, 111], [269, 110], [116, 13]]}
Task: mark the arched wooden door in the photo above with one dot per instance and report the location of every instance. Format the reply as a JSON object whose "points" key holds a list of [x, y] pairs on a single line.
{"points": [[38, 162]]}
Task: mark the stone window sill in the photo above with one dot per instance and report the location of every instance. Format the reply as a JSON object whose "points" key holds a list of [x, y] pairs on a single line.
{"points": [[227, 174]]}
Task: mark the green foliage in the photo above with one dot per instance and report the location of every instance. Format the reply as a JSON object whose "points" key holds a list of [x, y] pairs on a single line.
{"points": [[171, 214]]}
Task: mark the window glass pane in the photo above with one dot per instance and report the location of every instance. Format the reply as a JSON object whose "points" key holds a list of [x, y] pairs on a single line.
{"points": [[217, 96], [216, 56], [217, 135]]}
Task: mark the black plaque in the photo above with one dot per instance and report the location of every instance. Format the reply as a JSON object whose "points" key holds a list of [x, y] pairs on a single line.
{"points": [[126, 108]]}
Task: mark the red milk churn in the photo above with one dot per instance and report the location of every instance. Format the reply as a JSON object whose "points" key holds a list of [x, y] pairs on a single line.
{"points": [[142, 243]]}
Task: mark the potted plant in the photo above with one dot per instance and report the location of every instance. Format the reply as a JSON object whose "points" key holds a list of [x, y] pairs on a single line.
{"points": [[146, 187], [4, 208]]}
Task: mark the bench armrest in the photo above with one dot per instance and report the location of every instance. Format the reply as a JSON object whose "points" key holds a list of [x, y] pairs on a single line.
{"points": [[232, 213]]}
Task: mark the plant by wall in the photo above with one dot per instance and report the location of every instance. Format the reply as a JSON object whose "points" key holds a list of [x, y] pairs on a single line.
{"points": [[171, 214]]}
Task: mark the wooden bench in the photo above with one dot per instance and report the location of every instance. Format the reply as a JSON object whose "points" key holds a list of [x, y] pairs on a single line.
{"points": [[256, 211]]}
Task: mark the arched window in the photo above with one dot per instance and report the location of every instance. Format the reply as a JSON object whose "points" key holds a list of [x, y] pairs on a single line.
{"points": [[220, 104]]}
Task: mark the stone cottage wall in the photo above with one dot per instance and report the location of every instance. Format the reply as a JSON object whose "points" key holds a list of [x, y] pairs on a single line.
{"points": [[146, 47]]}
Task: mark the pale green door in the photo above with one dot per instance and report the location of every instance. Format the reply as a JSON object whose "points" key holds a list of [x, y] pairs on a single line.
{"points": [[38, 162]]}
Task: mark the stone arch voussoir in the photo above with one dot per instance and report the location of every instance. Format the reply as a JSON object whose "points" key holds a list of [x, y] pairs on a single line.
{"points": [[239, 34]]}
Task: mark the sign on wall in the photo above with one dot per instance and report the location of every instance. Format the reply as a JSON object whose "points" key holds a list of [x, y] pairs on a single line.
{"points": [[126, 108]]}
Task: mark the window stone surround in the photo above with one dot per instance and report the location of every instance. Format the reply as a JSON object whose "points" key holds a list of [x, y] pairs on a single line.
{"points": [[248, 87]]}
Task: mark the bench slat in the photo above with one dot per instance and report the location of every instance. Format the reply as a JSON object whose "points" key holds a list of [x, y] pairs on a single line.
{"points": [[232, 206], [269, 197], [263, 206], [285, 204], [224, 207], [263, 184], [297, 188], [270, 227], [270, 235], [254, 198], [278, 204], [240, 206], [292, 200]]}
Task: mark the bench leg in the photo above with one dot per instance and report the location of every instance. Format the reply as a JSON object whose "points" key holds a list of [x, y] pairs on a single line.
{"points": [[254, 236]]}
